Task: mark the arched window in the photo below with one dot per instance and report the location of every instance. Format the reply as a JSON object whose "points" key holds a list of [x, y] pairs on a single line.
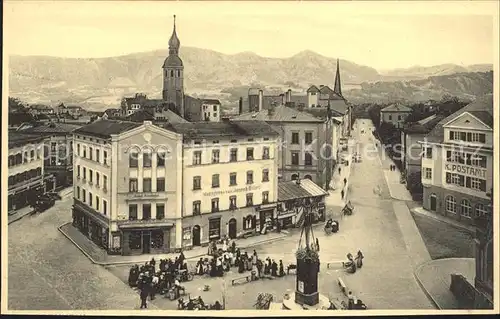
{"points": [[480, 210], [178, 73], [294, 177], [172, 73], [465, 209], [451, 205]]}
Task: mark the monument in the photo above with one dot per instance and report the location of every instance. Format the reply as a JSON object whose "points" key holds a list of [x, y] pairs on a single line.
{"points": [[306, 295]]}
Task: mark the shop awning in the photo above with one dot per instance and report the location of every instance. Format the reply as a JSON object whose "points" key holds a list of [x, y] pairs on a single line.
{"points": [[151, 223], [292, 190]]}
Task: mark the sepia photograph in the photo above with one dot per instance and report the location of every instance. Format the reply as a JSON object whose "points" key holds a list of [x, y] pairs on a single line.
{"points": [[250, 158]]}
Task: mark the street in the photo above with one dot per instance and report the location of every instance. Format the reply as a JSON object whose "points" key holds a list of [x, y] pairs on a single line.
{"points": [[46, 271]]}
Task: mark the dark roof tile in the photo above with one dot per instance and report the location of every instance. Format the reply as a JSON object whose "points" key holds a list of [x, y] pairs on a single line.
{"points": [[106, 128], [222, 129], [280, 114]]}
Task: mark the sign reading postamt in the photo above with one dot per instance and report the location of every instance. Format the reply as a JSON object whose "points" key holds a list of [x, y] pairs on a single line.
{"points": [[466, 170]]}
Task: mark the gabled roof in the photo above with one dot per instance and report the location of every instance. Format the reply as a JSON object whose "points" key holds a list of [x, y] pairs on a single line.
{"points": [[106, 128], [482, 104], [396, 108], [313, 88], [326, 90], [281, 114], [235, 129], [485, 117], [52, 128], [291, 190], [423, 126]]}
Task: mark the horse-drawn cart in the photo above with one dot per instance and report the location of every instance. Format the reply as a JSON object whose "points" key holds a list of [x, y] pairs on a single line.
{"points": [[331, 226], [348, 209]]}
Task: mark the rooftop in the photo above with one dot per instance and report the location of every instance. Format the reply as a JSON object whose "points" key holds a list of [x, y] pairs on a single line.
{"points": [[482, 108], [106, 128], [291, 190], [281, 114], [17, 139], [423, 126], [210, 101], [221, 129], [396, 108], [52, 128]]}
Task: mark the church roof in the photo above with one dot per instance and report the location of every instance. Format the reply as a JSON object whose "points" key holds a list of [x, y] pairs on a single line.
{"points": [[174, 41], [173, 61]]}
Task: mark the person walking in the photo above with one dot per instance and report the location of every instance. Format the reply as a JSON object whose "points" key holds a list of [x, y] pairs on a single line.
{"points": [[317, 244], [340, 169], [342, 194], [345, 181]]}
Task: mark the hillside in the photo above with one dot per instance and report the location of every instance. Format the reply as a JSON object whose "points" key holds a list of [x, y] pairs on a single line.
{"points": [[100, 82]]}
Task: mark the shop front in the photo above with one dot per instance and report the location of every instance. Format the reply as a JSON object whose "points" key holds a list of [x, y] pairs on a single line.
{"points": [[266, 215], [90, 224]]}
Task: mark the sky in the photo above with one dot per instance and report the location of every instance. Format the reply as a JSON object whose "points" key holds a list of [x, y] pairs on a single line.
{"points": [[383, 35]]}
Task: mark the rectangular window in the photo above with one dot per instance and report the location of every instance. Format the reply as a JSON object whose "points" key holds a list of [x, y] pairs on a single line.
{"points": [[133, 159], [215, 181], [265, 175], [146, 185], [78, 149], [249, 177], [78, 171], [215, 156], [84, 196], [295, 158], [146, 159], [249, 199], [295, 138], [232, 179], [97, 178], [196, 207], [84, 152], [97, 156], [104, 182], [91, 175], [132, 212], [84, 173], [215, 205], [455, 179], [90, 199], [133, 185], [160, 211], [196, 182], [197, 158], [428, 152], [309, 138], [104, 207], [476, 160], [476, 184], [91, 153], [160, 184], [214, 229], [160, 159], [105, 158], [78, 192], [249, 153], [308, 160], [146, 211], [232, 202], [390, 117], [427, 173], [233, 155], [265, 197], [97, 202], [265, 153]]}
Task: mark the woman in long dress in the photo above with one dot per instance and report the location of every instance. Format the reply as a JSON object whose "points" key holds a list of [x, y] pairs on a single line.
{"points": [[281, 270]]}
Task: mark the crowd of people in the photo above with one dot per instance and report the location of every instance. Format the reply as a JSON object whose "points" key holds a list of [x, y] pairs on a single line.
{"points": [[354, 263]]}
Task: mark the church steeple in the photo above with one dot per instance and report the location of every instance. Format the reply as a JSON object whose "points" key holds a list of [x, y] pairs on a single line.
{"points": [[338, 87], [174, 43]]}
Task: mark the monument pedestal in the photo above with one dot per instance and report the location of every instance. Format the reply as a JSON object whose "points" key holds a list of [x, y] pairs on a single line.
{"points": [[290, 304]]}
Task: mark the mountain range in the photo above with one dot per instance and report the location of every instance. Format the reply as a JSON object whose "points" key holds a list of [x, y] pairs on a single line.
{"points": [[99, 83]]}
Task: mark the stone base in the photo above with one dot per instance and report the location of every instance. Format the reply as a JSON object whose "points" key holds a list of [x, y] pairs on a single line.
{"points": [[289, 304]]}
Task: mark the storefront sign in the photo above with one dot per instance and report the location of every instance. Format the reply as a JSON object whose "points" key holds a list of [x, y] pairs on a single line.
{"points": [[466, 170], [141, 195], [233, 190], [186, 234]]}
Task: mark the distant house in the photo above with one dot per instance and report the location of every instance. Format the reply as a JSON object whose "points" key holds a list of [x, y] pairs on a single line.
{"points": [[211, 110], [38, 109], [75, 111], [395, 114]]}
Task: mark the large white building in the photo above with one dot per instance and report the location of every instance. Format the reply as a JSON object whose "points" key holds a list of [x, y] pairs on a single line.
{"points": [[457, 162], [141, 188]]}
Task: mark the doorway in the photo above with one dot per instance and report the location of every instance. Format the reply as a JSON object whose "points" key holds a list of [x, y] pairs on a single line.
{"points": [[232, 228], [433, 199], [196, 236], [146, 242]]}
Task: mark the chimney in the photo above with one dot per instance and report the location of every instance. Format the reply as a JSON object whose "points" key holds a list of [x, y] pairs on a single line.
{"points": [[261, 97], [270, 110], [301, 107], [240, 106], [289, 96]]}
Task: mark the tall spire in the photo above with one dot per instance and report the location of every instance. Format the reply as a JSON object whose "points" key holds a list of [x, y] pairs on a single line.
{"points": [[338, 87], [174, 43]]}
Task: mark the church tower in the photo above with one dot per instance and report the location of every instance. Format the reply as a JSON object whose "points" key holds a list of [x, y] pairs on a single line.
{"points": [[338, 86], [173, 75]]}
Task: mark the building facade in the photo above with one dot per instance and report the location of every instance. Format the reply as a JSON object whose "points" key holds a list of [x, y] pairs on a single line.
{"points": [[308, 149], [395, 114], [26, 171], [211, 110], [457, 162]]}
